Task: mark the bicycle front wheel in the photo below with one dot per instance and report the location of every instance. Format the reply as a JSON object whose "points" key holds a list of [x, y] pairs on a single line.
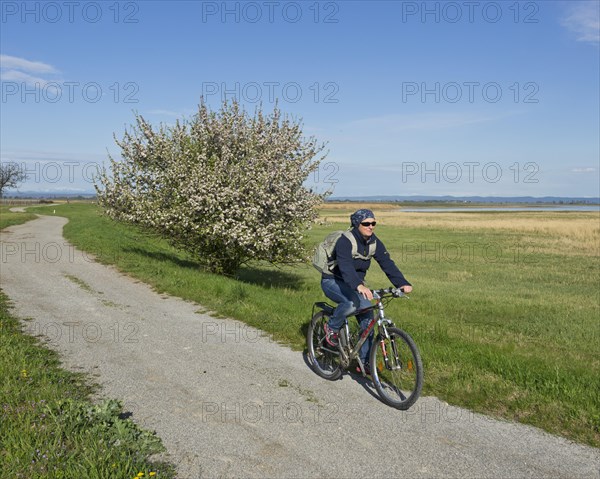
{"points": [[397, 369], [323, 358]]}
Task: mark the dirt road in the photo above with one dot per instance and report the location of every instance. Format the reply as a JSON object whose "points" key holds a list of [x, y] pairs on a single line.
{"points": [[229, 402]]}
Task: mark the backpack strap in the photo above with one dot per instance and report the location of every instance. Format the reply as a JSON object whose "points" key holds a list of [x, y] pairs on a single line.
{"points": [[372, 248], [355, 253]]}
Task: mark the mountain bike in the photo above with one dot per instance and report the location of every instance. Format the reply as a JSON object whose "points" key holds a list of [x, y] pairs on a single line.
{"points": [[395, 361]]}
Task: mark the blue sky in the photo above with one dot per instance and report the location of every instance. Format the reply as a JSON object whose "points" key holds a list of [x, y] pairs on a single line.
{"points": [[412, 98]]}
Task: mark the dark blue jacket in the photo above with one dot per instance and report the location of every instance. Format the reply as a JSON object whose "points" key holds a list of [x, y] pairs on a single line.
{"points": [[353, 271]]}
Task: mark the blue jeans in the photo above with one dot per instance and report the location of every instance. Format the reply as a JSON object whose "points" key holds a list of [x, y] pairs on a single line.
{"points": [[348, 302]]}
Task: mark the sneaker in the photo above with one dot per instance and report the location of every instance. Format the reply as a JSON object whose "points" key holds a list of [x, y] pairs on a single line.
{"points": [[367, 369], [331, 337]]}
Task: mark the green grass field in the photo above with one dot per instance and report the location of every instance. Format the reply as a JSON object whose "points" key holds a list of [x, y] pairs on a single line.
{"points": [[504, 309], [8, 218]]}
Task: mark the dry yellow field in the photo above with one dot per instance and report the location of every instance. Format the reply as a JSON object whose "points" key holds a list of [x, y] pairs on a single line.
{"points": [[553, 232]]}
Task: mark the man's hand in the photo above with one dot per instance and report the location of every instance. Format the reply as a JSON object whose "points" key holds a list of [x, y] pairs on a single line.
{"points": [[406, 289], [366, 292]]}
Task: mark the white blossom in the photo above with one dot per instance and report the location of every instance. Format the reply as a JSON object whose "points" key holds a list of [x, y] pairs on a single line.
{"points": [[224, 186]]}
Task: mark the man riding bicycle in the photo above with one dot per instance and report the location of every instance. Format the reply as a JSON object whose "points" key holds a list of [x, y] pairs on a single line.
{"points": [[353, 253]]}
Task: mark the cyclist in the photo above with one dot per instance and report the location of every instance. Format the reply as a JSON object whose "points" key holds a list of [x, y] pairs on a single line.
{"points": [[346, 285]]}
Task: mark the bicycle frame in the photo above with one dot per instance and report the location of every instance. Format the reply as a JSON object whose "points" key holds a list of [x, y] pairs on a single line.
{"points": [[378, 319]]}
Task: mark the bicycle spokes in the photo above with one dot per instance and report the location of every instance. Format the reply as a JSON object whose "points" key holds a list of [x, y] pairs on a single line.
{"points": [[398, 376], [324, 360]]}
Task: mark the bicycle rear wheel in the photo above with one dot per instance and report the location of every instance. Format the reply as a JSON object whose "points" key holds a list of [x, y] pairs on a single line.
{"points": [[324, 360], [397, 369]]}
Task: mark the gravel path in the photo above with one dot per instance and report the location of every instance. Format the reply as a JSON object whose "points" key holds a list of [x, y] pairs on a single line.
{"points": [[229, 402]]}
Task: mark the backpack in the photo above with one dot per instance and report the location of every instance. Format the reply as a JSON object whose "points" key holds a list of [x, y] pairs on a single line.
{"points": [[323, 259]]}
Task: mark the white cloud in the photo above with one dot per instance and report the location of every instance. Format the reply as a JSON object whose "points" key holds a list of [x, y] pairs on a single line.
{"points": [[25, 71], [583, 19], [49, 156], [396, 123], [165, 113], [14, 63], [425, 121], [17, 76]]}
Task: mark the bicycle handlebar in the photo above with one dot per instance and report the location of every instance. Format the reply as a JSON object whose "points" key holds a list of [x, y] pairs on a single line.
{"points": [[395, 292]]}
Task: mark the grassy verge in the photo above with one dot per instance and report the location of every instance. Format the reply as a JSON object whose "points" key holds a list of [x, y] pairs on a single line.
{"points": [[8, 218], [49, 427], [504, 313]]}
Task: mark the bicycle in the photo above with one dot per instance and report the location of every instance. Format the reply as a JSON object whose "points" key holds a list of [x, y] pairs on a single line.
{"points": [[395, 361]]}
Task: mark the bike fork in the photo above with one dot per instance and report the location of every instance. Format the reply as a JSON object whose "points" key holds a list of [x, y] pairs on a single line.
{"points": [[395, 362]]}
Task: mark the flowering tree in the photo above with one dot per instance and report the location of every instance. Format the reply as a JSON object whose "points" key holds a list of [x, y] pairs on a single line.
{"points": [[224, 186]]}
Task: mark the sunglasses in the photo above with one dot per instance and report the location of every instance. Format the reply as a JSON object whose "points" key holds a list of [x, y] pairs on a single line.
{"points": [[368, 223]]}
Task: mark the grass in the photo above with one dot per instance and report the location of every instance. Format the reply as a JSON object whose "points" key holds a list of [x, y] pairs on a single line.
{"points": [[8, 218], [49, 426], [506, 318]]}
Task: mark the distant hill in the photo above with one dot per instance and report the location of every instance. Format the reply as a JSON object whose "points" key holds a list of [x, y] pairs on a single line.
{"points": [[470, 199], [367, 199], [46, 195], [49, 194]]}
